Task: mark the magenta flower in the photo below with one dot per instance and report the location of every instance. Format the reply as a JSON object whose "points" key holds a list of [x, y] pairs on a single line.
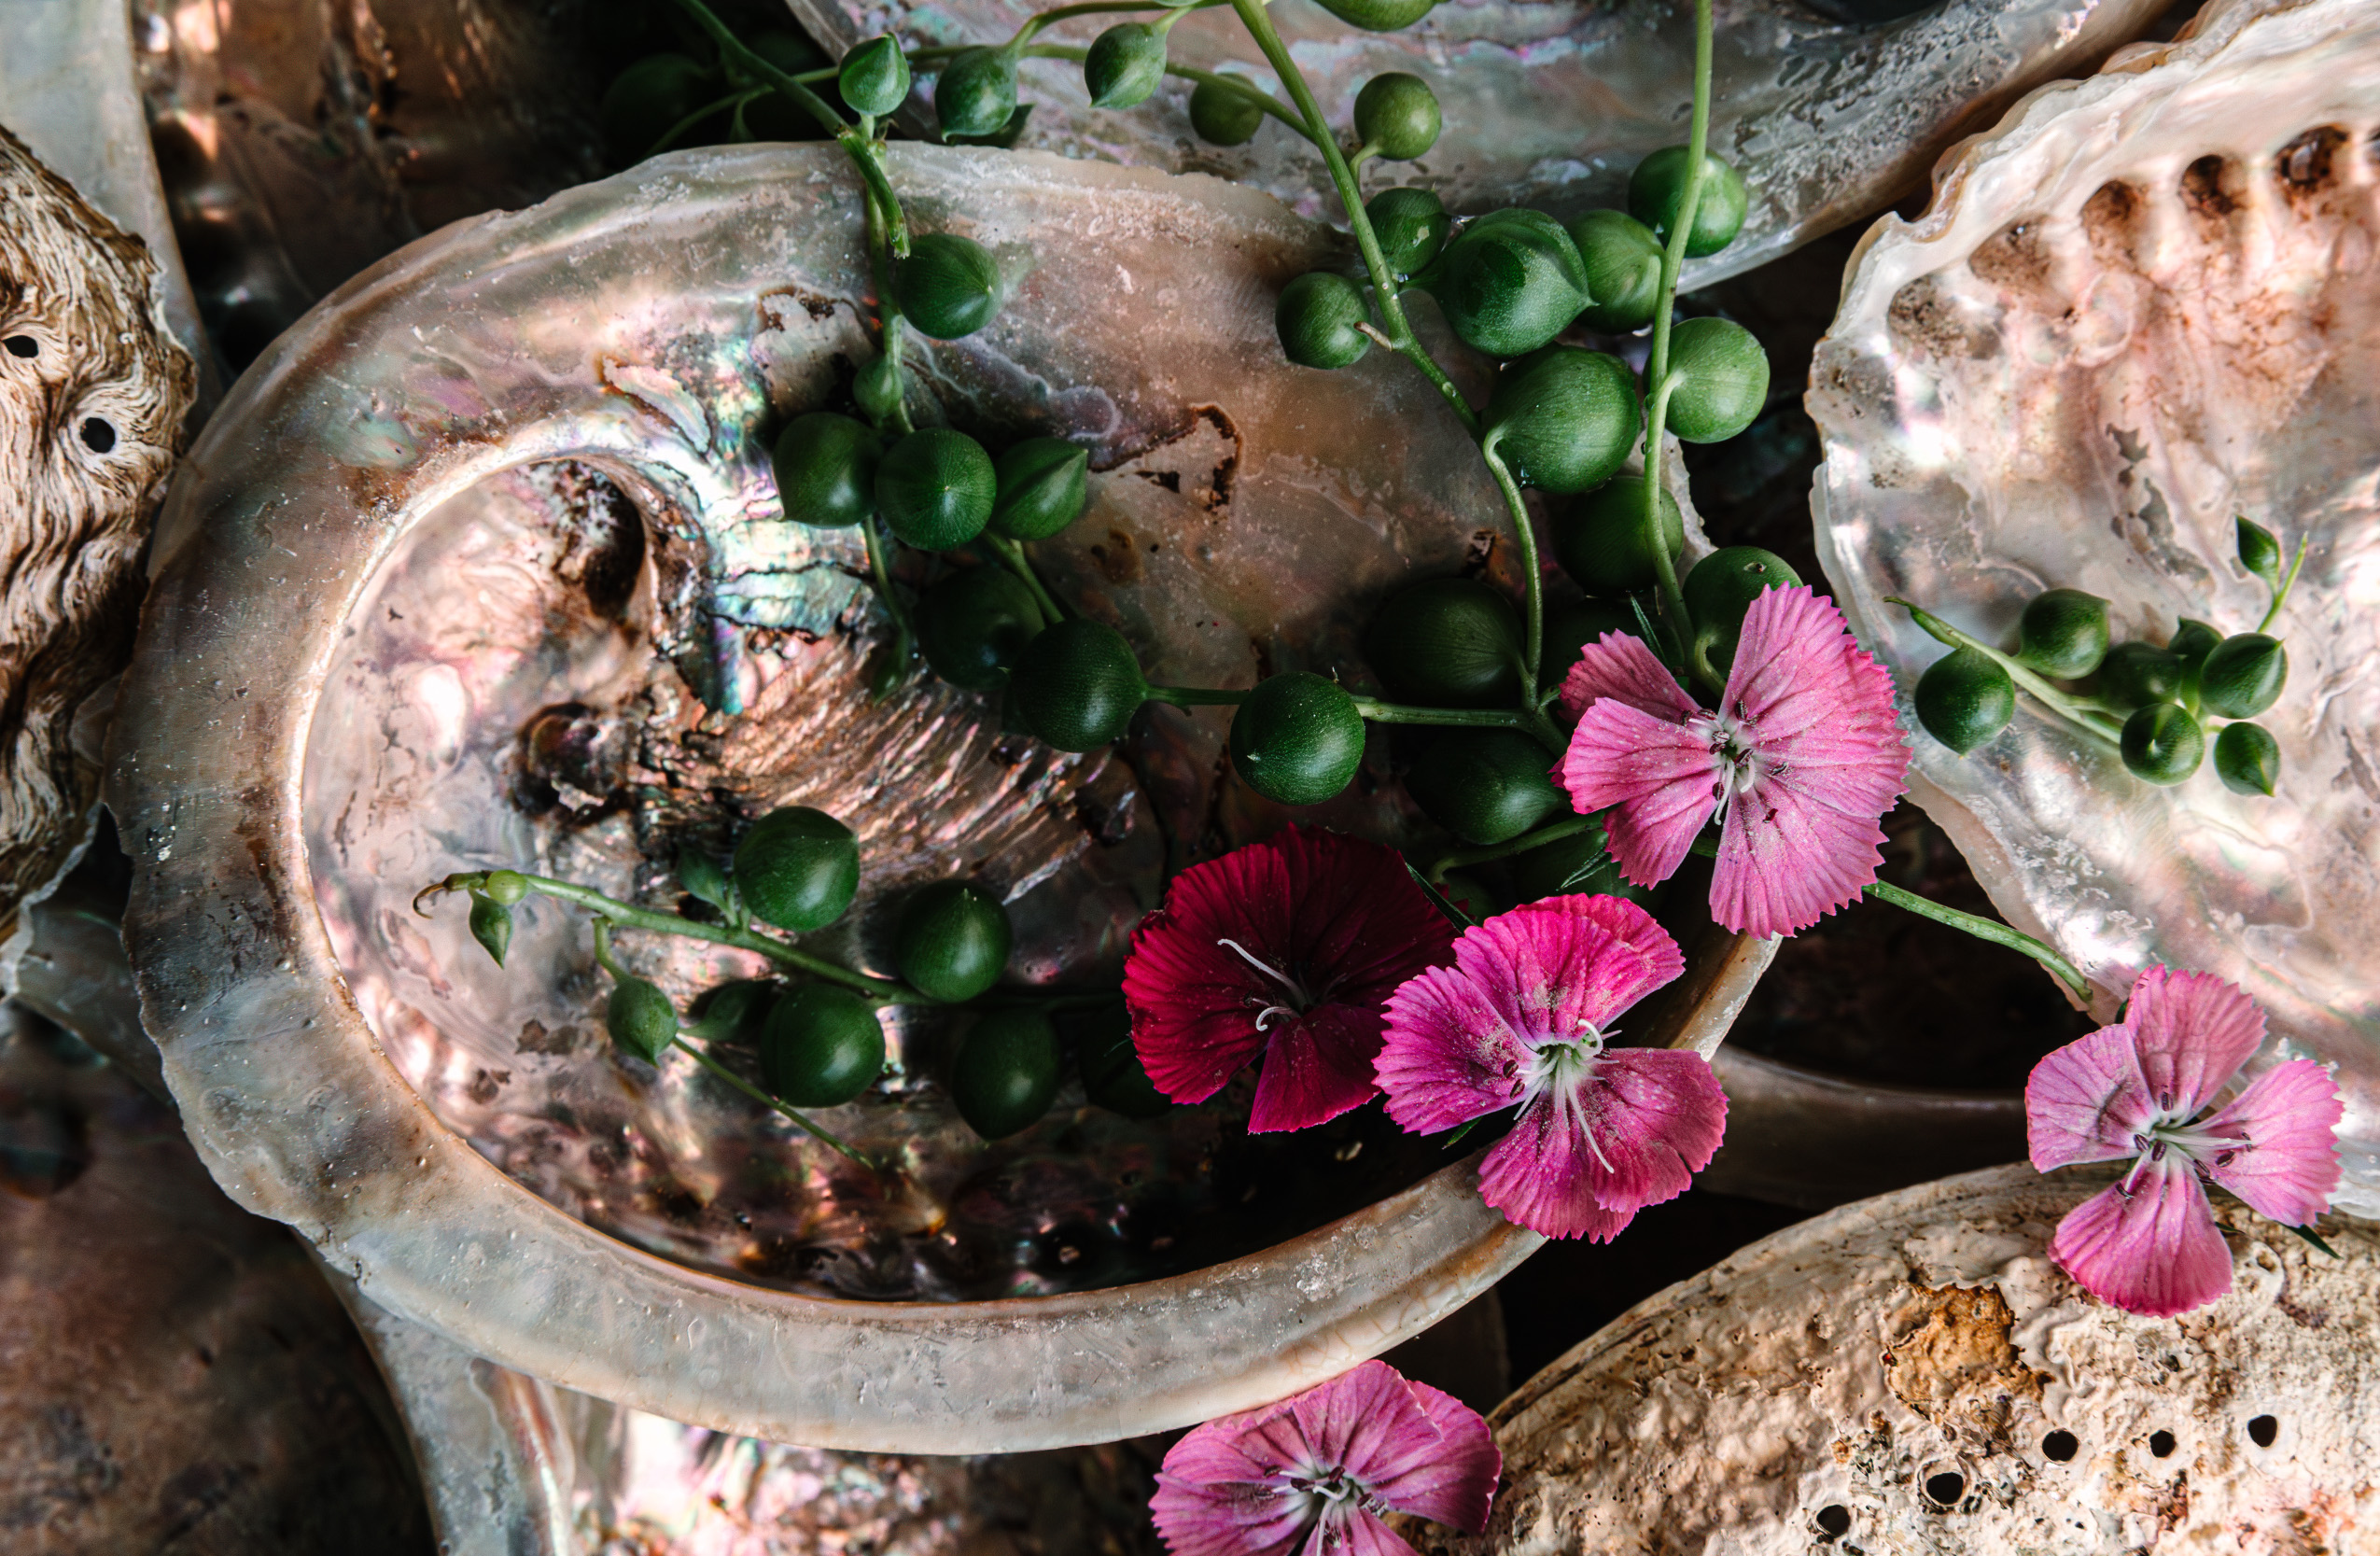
{"points": [[1314, 1472], [1287, 947], [2149, 1244], [1800, 761], [1522, 1017]]}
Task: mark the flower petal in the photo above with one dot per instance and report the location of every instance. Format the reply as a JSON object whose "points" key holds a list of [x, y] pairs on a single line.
{"points": [[1224, 1491], [1621, 665], [1455, 1482], [1360, 925], [1193, 1024], [2154, 1251], [1829, 761], [1348, 1530], [1317, 1066], [2288, 1164], [1539, 1176], [1447, 1057], [2086, 1101], [1557, 966], [1660, 776], [1583, 1159], [2193, 1030]]}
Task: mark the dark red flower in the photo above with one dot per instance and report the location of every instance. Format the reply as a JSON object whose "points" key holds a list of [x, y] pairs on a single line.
{"points": [[1289, 947]]}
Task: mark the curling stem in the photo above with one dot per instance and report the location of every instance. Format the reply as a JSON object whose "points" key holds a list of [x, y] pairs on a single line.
{"points": [[1986, 929]]}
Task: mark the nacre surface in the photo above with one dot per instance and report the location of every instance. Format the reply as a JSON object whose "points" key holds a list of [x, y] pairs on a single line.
{"points": [[2145, 305], [1828, 117]]}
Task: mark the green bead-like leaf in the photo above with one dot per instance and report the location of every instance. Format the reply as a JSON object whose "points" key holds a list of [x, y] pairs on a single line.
{"points": [[506, 887], [1722, 587], [1411, 226], [1113, 1075], [798, 869], [1964, 698], [978, 93], [1510, 282], [878, 388], [2259, 552], [1124, 65], [1486, 786], [1298, 739], [1446, 643], [2135, 675], [820, 1046], [875, 77], [491, 926], [953, 940], [935, 488], [1623, 260], [2247, 759], [950, 285], [702, 878], [1397, 115], [826, 470], [1042, 484], [1077, 685], [1657, 188], [641, 1020], [1603, 544], [1379, 15], [1005, 1074], [972, 625], [2244, 675], [2063, 633], [2162, 744], [1223, 117], [1317, 319], [1722, 378], [1562, 419]]}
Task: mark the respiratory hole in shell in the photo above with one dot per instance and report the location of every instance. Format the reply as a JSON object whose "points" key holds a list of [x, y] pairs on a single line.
{"points": [[22, 345], [1834, 1520], [2202, 190], [2263, 1430], [1945, 1489], [98, 435], [2304, 163], [2061, 1446], [2161, 1443]]}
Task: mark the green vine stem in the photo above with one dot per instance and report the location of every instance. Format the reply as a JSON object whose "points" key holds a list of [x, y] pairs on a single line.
{"points": [[2281, 595], [1986, 929], [866, 152], [1012, 557], [881, 992], [2089, 720], [1252, 16], [1196, 696], [1533, 631], [1462, 858], [905, 637], [1475, 718], [757, 1095], [1658, 381]]}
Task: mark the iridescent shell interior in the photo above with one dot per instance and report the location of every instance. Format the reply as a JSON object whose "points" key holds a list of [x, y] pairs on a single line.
{"points": [[1831, 109], [2145, 305]]}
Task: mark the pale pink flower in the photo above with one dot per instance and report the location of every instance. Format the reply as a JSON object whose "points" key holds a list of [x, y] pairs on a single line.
{"points": [[1800, 761], [1312, 1475], [2149, 1243], [1524, 1017]]}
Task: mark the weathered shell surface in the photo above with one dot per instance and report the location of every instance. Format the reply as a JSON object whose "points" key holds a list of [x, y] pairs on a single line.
{"points": [[1551, 105], [173, 1374], [393, 548], [1911, 1375], [93, 390], [2146, 304]]}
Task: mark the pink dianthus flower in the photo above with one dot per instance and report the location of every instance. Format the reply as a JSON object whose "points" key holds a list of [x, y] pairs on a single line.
{"points": [[2149, 1243], [1522, 1017], [1800, 760], [1312, 1475], [1288, 948]]}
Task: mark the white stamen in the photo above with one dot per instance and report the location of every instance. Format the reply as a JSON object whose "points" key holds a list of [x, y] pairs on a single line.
{"points": [[1266, 968], [1271, 1011]]}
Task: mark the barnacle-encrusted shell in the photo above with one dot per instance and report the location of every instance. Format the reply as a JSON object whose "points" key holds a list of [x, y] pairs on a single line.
{"points": [[1552, 104], [1910, 1375], [2146, 304], [93, 390], [403, 541]]}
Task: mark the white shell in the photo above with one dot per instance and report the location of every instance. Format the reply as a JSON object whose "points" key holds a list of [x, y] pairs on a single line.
{"points": [[1844, 1368], [2147, 302]]}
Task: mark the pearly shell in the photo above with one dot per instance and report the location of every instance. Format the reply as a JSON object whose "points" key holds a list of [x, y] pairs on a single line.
{"points": [[2145, 304], [1552, 104], [383, 561], [93, 391], [1910, 1375]]}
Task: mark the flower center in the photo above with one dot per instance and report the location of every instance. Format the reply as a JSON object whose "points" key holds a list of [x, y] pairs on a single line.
{"points": [[1741, 764], [1300, 1001], [1332, 1485]]}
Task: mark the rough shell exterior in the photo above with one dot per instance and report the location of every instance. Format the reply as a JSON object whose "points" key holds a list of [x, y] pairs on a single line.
{"points": [[93, 391], [1910, 1376], [2147, 304]]}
